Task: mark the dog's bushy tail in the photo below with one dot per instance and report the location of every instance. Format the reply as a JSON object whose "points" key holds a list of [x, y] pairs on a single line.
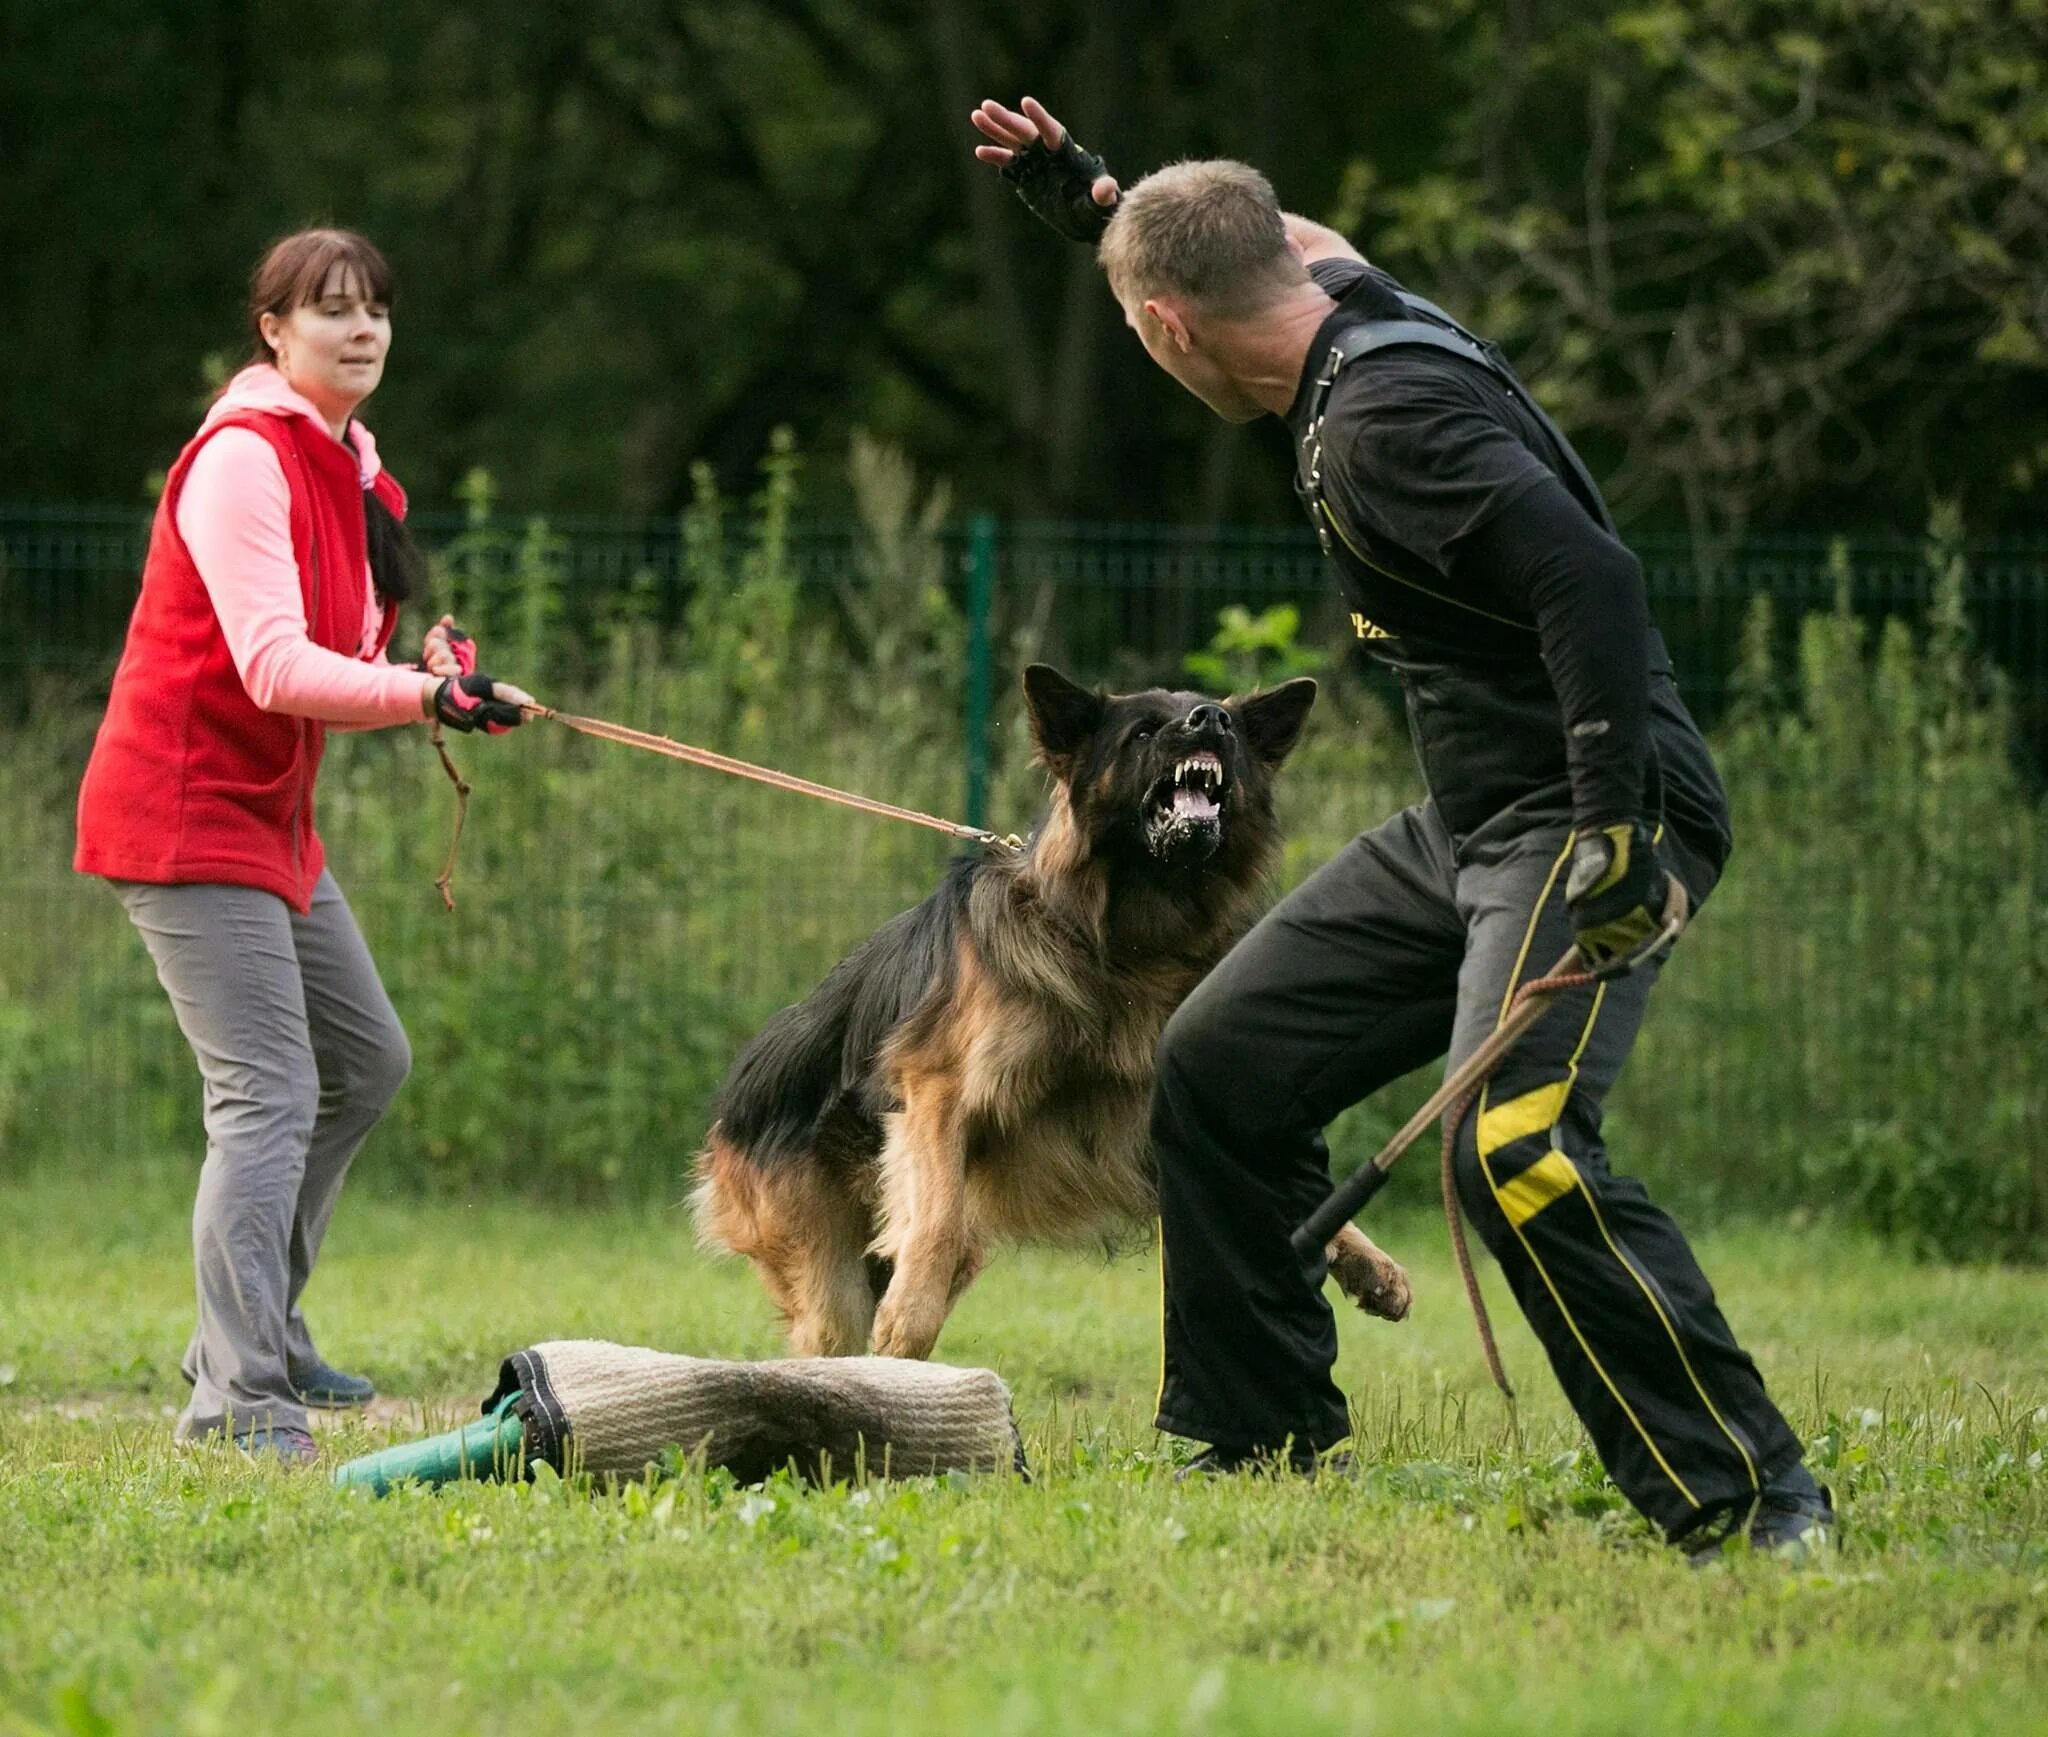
{"points": [[815, 1062], [789, 1077]]}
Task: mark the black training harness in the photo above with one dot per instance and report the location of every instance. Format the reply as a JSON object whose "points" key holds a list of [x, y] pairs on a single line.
{"points": [[1368, 335]]}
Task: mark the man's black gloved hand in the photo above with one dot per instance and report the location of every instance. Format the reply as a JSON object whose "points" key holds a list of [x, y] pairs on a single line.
{"points": [[1617, 891], [1055, 186], [471, 702]]}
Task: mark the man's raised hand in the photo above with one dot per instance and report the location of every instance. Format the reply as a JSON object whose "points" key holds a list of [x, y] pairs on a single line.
{"points": [[1061, 184]]}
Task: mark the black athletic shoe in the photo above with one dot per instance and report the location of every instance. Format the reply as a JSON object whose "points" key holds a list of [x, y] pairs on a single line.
{"points": [[329, 1389], [293, 1449], [1297, 1462], [1793, 1525]]}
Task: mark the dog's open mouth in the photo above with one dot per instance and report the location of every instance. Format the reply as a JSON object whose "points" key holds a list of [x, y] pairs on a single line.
{"points": [[1184, 810]]}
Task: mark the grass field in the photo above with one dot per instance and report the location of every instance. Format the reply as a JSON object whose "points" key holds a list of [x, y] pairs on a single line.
{"points": [[1467, 1580]]}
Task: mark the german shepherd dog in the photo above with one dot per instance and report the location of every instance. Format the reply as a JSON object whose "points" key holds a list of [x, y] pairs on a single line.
{"points": [[981, 1067]]}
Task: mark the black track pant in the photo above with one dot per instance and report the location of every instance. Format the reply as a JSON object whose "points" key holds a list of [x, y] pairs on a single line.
{"points": [[1388, 956]]}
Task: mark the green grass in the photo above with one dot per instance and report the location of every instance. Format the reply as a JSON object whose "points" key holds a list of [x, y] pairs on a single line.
{"points": [[1467, 1580]]}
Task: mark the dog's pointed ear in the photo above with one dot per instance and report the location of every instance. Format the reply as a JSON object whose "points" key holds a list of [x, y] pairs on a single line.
{"points": [[1063, 715], [1272, 722]]}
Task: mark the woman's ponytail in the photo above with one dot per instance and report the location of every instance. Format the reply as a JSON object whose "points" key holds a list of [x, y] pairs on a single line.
{"points": [[397, 568]]}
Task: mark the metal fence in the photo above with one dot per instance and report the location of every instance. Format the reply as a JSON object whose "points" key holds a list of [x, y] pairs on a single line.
{"points": [[1118, 602], [644, 923]]}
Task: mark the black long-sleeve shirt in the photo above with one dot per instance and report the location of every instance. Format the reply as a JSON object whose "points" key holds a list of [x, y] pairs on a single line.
{"points": [[1468, 528]]}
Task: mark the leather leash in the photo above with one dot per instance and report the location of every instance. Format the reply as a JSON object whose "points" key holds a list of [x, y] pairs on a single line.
{"points": [[715, 762]]}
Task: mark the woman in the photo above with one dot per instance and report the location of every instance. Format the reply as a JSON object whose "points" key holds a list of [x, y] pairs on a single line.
{"points": [[276, 567]]}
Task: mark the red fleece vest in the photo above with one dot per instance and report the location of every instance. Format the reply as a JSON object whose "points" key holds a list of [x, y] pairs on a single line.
{"points": [[189, 780]]}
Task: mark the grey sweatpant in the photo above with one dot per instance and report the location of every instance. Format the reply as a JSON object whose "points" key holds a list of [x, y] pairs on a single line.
{"points": [[300, 1052]]}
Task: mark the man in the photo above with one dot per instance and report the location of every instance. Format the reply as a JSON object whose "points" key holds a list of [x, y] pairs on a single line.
{"points": [[1566, 782]]}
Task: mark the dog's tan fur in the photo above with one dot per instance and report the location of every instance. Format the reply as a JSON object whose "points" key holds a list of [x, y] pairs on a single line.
{"points": [[1024, 1096]]}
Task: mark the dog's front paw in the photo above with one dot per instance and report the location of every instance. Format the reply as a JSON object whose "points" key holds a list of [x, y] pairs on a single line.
{"points": [[907, 1327], [1371, 1278]]}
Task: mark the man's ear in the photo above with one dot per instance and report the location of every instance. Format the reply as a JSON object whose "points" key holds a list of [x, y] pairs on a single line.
{"points": [[1172, 322], [1272, 722], [1063, 715]]}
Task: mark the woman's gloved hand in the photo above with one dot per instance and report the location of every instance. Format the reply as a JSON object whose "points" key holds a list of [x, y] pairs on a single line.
{"points": [[475, 702]]}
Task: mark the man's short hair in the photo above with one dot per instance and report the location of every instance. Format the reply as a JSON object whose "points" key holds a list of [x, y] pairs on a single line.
{"points": [[1210, 231]]}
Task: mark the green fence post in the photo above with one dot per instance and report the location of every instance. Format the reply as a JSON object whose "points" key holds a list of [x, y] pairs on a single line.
{"points": [[981, 597]]}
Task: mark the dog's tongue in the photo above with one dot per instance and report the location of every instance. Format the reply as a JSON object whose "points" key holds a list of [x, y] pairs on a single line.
{"points": [[1192, 804]]}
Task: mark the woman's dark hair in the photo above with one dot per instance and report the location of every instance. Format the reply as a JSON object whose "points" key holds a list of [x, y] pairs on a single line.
{"points": [[397, 567], [291, 273]]}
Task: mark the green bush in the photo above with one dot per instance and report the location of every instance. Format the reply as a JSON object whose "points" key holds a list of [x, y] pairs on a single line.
{"points": [[1852, 1027], [1855, 1026]]}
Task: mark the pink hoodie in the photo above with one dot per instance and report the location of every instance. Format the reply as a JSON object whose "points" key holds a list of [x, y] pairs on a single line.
{"points": [[235, 517]]}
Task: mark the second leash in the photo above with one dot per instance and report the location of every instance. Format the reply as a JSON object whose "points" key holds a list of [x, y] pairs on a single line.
{"points": [[1454, 1098]]}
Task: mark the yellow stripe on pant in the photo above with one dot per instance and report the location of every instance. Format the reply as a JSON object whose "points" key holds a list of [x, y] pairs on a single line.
{"points": [[1159, 1242], [1532, 1113], [1529, 1193]]}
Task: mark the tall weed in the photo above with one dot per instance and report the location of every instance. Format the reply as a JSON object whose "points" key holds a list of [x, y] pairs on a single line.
{"points": [[1855, 1025]]}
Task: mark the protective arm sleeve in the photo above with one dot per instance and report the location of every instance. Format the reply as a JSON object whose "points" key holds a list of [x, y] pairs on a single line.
{"points": [[234, 513], [1585, 590]]}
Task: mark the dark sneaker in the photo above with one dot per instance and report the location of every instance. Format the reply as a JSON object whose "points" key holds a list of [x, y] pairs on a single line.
{"points": [[329, 1389], [1298, 1462], [292, 1448], [1791, 1525]]}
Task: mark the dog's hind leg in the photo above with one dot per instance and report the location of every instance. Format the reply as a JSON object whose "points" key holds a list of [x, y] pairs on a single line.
{"points": [[805, 1236], [924, 1218], [1368, 1275], [832, 1307]]}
